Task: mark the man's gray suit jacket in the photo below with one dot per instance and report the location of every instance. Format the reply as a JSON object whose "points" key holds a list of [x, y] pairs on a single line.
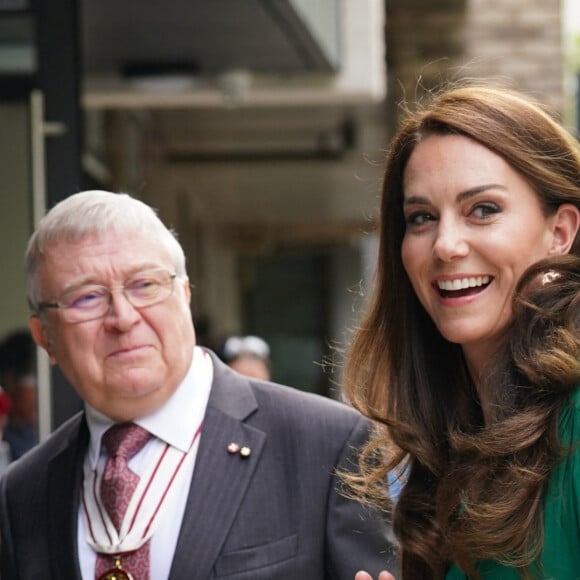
{"points": [[275, 515]]}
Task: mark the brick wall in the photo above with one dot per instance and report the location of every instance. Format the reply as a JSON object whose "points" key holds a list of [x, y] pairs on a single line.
{"points": [[518, 42]]}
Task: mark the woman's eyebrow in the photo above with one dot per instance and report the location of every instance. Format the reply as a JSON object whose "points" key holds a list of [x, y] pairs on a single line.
{"points": [[461, 196]]}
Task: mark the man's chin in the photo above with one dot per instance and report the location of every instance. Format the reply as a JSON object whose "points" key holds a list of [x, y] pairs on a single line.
{"points": [[123, 407]]}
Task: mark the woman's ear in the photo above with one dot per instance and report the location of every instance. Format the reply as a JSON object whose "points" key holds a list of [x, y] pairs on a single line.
{"points": [[565, 228], [40, 335]]}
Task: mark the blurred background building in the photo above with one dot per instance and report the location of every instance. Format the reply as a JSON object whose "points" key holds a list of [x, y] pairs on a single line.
{"points": [[257, 127]]}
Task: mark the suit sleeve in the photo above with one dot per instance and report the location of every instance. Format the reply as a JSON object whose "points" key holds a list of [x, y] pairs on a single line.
{"points": [[358, 537]]}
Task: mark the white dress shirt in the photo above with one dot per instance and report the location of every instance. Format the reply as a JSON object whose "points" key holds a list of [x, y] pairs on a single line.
{"points": [[175, 423]]}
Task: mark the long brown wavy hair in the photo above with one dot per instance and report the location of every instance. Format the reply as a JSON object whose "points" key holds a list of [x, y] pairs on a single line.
{"points": [[473, 489]]}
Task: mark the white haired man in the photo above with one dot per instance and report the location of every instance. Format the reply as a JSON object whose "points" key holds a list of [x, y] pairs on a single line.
{"points": [[233, 477]]}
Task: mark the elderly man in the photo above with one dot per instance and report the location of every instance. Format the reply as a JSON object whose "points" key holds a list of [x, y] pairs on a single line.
{"points": [[178, 467]]}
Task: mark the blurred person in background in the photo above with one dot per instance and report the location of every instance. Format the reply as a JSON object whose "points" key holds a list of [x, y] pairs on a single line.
{"points": [[18, 378], [5, 453], [248, 355]]}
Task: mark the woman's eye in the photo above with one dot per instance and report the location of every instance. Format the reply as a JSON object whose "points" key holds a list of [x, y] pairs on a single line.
{"points": [[419, 218], [484, 210]]}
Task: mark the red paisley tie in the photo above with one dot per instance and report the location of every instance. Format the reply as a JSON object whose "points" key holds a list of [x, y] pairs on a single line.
{"points": [[122, 441]]}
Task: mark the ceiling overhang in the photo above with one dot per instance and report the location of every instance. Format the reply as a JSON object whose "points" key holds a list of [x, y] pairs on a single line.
{"points": [[216, 53]]}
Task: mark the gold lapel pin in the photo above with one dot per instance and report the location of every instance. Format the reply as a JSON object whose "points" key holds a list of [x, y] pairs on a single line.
{"points": [[245, 452]]}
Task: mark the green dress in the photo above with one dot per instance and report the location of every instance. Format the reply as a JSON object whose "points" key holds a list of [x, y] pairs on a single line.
{"points": [[561, 552]]}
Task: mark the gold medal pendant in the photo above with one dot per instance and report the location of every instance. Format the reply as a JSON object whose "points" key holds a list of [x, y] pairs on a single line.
{"points": [[116, 573]]}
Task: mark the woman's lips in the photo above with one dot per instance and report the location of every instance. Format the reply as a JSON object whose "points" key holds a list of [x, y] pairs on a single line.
{"points": [[462, 286]]}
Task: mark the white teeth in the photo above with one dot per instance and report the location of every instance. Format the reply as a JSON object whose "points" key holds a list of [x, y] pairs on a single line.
{"points": [[463, 283]]}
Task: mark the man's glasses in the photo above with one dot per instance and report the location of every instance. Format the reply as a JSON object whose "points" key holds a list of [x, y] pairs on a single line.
{"points": [[92, 301]]}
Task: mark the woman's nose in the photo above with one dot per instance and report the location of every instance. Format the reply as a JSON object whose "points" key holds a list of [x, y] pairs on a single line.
{"points": [[450, 242]]}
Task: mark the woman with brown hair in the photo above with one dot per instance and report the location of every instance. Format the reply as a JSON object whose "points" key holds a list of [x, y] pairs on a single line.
{"points": [[468, 358]]}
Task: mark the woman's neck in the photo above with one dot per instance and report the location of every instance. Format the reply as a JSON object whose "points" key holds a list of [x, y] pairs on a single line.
{"points": [[476, 360]]}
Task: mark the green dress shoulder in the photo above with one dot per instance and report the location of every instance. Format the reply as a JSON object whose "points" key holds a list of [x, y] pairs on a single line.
{"points": [[560, 558]]}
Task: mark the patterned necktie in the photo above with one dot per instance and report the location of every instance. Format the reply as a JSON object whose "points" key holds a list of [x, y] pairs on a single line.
{"points": [[122, 441]]}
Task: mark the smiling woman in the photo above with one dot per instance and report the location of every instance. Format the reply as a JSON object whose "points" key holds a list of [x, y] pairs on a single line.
{"points": [[463, 229], [468, 357]]}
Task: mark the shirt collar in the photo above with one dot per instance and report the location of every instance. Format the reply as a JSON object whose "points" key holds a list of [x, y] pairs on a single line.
{"points": [[188, 402]]}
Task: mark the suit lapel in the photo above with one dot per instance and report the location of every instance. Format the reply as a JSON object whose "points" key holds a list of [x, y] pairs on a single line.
{"points": [[220, 478], [63, 496]]}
